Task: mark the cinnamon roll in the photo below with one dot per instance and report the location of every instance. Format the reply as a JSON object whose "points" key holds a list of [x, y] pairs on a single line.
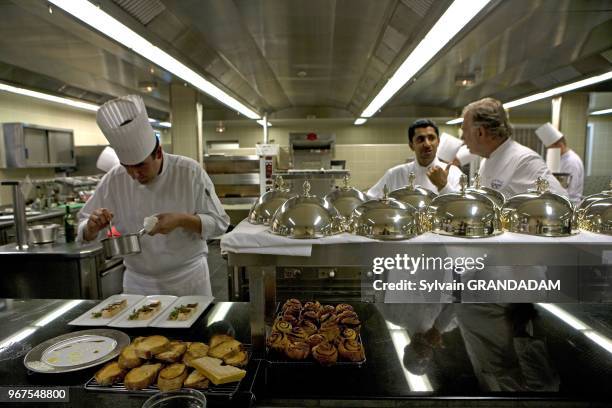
{"points": [[298, 350], [289, 318], [325, 353], [327, 309], [312, 306], [342, 307], [308, 326], [292, 310], [351, 350], [316, 339], [330, 331], [328, 318], [297, 334], [277, 341], [311, 316], [348, 334], [291, 303], [349, 319], [282, 326]]}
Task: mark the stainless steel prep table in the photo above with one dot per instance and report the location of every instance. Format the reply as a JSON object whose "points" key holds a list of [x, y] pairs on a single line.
{"points": [[586, 258]]}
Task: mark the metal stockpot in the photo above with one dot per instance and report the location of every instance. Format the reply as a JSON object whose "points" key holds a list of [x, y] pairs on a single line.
{"points": [[43, 234], [264, 208], [122, 246], [466, 214], [346, 199], [539, 212]]}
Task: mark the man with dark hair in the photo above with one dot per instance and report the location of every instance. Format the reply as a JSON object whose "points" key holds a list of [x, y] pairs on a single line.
{"points": [[510, 167], [431, 173], [173, 194]]}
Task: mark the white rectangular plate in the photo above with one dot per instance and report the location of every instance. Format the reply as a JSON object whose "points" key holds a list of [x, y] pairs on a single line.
{"points": [[86, 320], [163, 321], [124, 321]]}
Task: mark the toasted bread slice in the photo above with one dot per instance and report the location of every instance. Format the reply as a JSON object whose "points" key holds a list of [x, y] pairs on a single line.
{"points": [[196, 380], [175, 351], [225, 349], [141, 377], [237, 359], [195, 350], [217, 339], [171, 378], [152, 345], [128, 358], [110, 374], [217, 373]]}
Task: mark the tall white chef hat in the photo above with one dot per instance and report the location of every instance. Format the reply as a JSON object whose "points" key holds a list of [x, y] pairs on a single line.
{"points": [[548, 134], [448, 147], [464, 156], [107, 159], [125, 124]]}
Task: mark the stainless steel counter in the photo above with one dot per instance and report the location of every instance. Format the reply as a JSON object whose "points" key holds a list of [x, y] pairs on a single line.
{"points": [[59, 270], [586, 269]]}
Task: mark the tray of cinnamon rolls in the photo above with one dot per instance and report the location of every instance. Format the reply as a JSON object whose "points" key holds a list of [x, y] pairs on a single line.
{"points": [[311, 333]]}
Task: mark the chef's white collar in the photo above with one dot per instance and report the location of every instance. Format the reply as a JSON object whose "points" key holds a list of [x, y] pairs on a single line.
{"points": [[164, 164], [434, 162], [502, 147]]}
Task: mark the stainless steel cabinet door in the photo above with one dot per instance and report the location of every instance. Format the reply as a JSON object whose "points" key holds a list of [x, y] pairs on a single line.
{"points": [[36, 146], [61, 148]]}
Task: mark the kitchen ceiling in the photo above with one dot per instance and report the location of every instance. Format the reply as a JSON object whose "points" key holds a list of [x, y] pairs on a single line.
{"points": [[298, 58]]}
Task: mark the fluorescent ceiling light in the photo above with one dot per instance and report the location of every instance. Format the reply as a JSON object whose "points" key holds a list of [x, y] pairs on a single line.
{"points": [[455, 121], [559, 90], [602, 341], [458, 14], [400, 340], [261, 122], [164, 124], [601, 112], [94, 17], [49, 317], [360, 121], [50, 98], [555, 91]]}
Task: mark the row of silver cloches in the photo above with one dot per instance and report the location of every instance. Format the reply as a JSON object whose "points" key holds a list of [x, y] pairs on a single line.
{"points": [[473, 212]]}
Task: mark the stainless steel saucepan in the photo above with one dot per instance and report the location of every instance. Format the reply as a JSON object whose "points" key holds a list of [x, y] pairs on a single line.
{"points": [[123, 245]]}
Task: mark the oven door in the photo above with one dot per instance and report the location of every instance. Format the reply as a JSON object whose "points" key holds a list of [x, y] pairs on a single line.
{"points": [[111, 279]]}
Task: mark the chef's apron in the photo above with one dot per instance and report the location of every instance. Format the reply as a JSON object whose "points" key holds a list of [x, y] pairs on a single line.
{"points": [[191, 279]]}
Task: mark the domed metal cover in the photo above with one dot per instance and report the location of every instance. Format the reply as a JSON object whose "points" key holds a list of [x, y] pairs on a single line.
{"points": [[539, 212], [465, 214], [594, 197], [264, 208], [597, 217], [307, 216], [497, 197], [385, 219], [417, 196], [346, 199]]}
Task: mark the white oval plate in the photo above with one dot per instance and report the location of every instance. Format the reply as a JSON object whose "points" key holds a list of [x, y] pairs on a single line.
{"points": [[53, 356]]}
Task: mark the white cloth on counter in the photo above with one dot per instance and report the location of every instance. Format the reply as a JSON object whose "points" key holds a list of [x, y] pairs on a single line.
{"points": [[513, 169], [572, 163], [175, 262], [397, 177], [257, 239]]}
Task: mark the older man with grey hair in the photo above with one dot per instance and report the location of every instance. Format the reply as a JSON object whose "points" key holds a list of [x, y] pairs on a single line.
{"points": [[509, 167]]}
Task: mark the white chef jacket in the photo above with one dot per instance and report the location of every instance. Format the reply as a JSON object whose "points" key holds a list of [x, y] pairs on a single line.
{"points": [[173, 263], [572, 164], [397, 177], [513, 169]]}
